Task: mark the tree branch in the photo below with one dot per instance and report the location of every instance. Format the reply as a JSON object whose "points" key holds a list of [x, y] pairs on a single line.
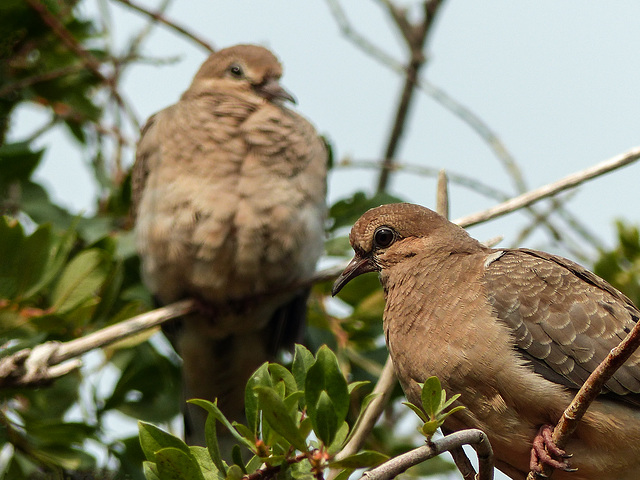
{"points": [[173, 25], [548, 190], [416, 37], [401, 463], [384, 388], [34, 366]]}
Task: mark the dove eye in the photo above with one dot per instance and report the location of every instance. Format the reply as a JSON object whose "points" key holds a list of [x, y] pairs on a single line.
{"points": [[236, 70], [383, 237]]}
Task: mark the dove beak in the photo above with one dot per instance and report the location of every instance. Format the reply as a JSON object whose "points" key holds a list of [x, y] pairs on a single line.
{"points": [[273, 91], [356, 267]]}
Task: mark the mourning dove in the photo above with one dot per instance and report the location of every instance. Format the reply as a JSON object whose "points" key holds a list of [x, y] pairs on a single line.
{"points": [[514, 331], [229, 189]]}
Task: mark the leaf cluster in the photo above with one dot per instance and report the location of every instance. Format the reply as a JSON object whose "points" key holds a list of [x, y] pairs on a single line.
{"points": [[433, 411], [52, 288], [296, 423]]}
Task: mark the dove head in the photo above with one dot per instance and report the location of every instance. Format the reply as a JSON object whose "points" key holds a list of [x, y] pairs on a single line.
{"points": [[243, 69], [386, 236]]}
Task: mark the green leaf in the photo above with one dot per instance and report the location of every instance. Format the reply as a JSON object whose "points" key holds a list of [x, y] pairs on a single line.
{"points": [[280, 374], [80, 281], [17, 162], [57, 258], [431, 396], [236, 456], [363, 459], [344, 474], [279, 418], [175, 464], [152, 440], [339, 440], [213, 410], [260, 377], [206, 465], [234, 473], [326, 388], [353, 386], [33, 259], [150, 470], [418, 411], [324, 419], [245, 432], [302, 361], [69, 458], [429, 428], [211, 437], [446, 403]]}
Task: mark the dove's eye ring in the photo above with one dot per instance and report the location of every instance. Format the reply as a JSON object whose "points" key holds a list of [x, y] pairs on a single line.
{"points": [[236, 70], [383, 237]]}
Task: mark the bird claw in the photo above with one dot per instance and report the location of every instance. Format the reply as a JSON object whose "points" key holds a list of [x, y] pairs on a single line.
{"points": [[545, 452]]}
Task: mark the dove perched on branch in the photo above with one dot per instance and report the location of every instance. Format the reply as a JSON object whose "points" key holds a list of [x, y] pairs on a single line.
{"points": [[229, 193], [516, 332]]}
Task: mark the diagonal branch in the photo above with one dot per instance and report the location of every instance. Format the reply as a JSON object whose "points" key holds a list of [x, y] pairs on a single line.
{"points": [[551, 189], [158, 16]]}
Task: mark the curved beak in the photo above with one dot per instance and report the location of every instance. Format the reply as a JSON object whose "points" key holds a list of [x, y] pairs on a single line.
{"points": [[356, 267], [272, 90]]}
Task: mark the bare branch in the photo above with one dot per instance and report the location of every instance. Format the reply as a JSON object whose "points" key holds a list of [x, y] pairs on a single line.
{"points": [[442, 194], [173, 25], [359, 40], [554, 188], [401, 463], [416, 37], [384, 388], [456, 178], [463, 463], [477, 125], [30, 367]]}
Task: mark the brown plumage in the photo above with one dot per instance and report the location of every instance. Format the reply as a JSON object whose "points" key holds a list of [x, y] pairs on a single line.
{"points": [[515, 331], [229, 192]]}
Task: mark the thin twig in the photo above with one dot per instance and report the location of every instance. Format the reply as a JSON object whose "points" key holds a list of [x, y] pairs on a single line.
{"points": [[383, 389], [401, 463], [39, 78], [554, 188], [463, 463], [416, 38], [479, 126], [171, 24], [89, 61], [361, 41], [442, 194], [456, 178]]}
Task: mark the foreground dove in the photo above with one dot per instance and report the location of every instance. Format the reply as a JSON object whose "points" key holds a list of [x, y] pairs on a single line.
{"points": [[229, 191], [516, 332]]}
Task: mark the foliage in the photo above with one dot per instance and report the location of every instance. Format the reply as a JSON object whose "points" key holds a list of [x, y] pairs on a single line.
{"points": [[621, 266], [434, 403], [302, 409], [53, 289]]}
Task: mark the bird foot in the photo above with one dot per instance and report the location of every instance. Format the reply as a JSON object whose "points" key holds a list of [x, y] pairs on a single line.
{"points": [[545, 452]]}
